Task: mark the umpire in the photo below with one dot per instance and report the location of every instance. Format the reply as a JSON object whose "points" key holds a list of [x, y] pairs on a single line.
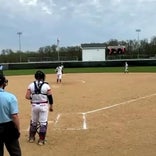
{"points": [[9, 121]]}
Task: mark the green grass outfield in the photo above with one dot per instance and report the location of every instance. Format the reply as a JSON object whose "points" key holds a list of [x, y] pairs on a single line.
{"points": [[146, 69]]}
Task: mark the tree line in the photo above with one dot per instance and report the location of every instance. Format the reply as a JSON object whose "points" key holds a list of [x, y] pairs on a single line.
{"points": [[134, 49]]}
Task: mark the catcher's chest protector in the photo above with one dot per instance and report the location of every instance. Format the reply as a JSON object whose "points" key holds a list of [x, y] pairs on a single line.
{"points": [[38, 87]]}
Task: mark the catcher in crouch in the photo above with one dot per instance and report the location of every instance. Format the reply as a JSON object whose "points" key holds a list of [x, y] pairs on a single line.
{"points": [[40, 95]]}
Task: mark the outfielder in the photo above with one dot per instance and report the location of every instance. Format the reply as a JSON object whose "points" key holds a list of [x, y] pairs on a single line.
{"points": [[126, 67], [40, 95]]}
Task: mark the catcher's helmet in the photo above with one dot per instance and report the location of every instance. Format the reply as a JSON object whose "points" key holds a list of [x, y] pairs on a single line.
{"points": [[39, 75]]}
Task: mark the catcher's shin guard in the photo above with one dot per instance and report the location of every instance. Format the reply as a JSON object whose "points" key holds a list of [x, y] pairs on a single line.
{"points": [[32, 130], [43, 130]]}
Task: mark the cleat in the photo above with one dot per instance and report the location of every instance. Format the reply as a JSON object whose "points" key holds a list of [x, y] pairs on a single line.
{"points": [[41, 142], [31, 140]]}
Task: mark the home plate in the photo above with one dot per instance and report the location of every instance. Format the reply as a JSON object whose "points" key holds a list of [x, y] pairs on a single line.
{"points": [[69, 122]]}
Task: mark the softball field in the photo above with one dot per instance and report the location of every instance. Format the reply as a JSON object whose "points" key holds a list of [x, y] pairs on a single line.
{"points": [[98, 114]]}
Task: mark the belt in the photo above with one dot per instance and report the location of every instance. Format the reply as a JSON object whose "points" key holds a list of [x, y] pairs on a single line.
{"points": [[5, 123], [37, 103]]}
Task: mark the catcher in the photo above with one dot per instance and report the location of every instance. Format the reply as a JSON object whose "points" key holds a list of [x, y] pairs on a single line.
{"points": [[40, 95]]}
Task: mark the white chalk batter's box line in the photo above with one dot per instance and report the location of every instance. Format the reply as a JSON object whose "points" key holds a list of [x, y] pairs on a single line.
{"points": [[84, 125], [84, 122]]}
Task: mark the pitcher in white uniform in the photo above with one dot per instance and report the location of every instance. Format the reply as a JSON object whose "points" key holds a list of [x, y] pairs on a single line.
{"points": [[59, 73]]}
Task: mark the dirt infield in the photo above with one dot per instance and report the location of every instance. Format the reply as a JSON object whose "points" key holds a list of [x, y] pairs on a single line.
{"points": [[106, 114]]}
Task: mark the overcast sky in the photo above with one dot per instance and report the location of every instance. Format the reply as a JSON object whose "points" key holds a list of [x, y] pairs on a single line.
{"points": [[74, 22]]}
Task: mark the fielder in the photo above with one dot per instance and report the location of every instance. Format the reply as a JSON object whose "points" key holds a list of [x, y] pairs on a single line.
{"points": [[1, 69], [126, 67], [59, 73], [40, 95]]}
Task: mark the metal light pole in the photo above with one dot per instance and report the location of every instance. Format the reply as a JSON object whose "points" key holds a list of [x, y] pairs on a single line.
{"points": [[57, 49], [138, 31], [19, 40]]}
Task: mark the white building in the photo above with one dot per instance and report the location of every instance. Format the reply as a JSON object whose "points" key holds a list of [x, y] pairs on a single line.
{"points": [[93, 52]]}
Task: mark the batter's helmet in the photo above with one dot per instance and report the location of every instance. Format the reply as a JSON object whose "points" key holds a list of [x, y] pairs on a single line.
{"points": [[39, 75]]}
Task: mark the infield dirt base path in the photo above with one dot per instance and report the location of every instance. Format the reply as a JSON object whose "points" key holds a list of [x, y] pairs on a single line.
{"points": [[102, 114]]}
